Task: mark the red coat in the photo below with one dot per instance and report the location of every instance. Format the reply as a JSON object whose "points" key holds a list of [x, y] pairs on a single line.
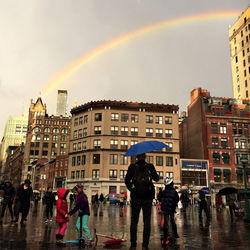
{"points": [[61, 207]]}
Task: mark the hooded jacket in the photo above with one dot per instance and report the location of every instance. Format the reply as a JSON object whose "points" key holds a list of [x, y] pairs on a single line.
{"points": [[61, 206], [48, 199], [81, 204], [9, 192], [170, 199]]}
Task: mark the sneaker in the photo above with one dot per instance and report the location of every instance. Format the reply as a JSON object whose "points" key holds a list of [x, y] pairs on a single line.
{"points": [[46, 221], [89, 242], [50, 220]]}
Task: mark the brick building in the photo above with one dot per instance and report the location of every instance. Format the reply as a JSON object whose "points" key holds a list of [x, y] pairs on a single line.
{"points": [[101, 133], [217, 129]]}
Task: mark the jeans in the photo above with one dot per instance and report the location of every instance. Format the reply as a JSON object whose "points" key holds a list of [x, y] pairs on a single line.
{"points": [[136, 206], [166, 220], [5, 204], [203, 206], [49, 211]]}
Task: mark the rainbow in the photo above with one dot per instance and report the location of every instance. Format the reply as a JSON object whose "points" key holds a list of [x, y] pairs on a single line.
{"points": [[72, 67]]}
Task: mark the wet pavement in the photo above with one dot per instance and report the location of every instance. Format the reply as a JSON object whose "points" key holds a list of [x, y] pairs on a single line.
{"points": [[219, 233]]}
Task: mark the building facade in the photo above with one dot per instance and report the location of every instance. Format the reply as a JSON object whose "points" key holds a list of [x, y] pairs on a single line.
{"points": [[61, 104], [239, 38], [211, 132], [101, 133], [47, 136]]}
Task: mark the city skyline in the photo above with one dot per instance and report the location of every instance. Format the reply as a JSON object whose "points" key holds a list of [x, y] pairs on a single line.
{"points": [[40, 39]]}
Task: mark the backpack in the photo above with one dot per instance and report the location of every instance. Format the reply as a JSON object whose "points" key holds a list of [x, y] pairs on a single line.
{"points": [[143, 181]]}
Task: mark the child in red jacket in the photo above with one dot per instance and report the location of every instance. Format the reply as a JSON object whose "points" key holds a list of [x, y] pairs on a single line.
{"points": [[61, 214]]}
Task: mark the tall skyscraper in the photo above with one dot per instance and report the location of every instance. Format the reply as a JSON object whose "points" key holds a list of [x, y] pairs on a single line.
{"points": [[239, 37], [61, 105]]}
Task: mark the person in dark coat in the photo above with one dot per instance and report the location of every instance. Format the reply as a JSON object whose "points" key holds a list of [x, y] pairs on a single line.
{"points": [[48, 201], [9, 194], [23, 197], [169, 203], [141, 199], [101, 198], [184, 200], [203, 204]]}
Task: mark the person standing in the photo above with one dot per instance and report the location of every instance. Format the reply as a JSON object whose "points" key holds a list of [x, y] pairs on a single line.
{"points": [[24, 196], [139, 182], [169, 203], [218, 202], [9, 194], [231, 201], [96, 199], [62, 217], [184, 201], [202, 204], [101, 198], [48, 201]]}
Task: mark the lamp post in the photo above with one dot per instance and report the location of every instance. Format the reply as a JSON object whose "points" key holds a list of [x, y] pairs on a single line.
{"points": [[244, 162]]}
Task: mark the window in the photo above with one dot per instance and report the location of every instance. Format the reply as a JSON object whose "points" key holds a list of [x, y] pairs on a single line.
{"points": [[247, 93], [113, 173], [158, 119], [85, 132], [239, 176], [245, 129], [123, 160], [241, 33], [223, 128], [64, 131], [150, 159], [134, 118], [55, 138], [168, 132], [84, 145], [159, 160], [170, 146], [124, 131], [149, 132], [240, 129], [55, 130], [79, 146], [169, 161], [85, 119], [77, 174], [236, 143], [82, 174], [241, 113], [46, 130], [224, 143], [75, 134], [214, 128], [158, 132], [98, 117], [123, 174], [160, 173], [78, 160], [46, 137], [83, 159], [227, 175], [234, 129], [115, 117], [114, 130], [215, 142], [113, 159], [96, 159], [134, 131], [245, 73], [45, 145], [149, 119], [114, 144], [74, 147], [80, 120], [243, 144], [73, 161], [80, 133], [97, 143], [54, 145], [217, 175], [168, 120], [76, 122], [133, 142], [170, 175], [63, 138], [236, 59], [124, 117], [95, 174], [225, 158], [124, 144], [98, 130], [72, 174], [216, 158]]}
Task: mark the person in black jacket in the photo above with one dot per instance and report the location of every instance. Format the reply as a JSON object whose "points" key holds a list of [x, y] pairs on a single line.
{"points": [[22, 203], [169, 203], [203, 204], [48, 201], [139, 182], [9, 194]]}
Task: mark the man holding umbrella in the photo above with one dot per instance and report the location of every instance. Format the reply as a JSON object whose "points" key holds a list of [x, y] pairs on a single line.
{"points": [[139, 182]]}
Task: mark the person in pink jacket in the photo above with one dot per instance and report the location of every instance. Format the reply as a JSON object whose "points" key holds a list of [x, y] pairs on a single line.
{"points": [[61, 214]]}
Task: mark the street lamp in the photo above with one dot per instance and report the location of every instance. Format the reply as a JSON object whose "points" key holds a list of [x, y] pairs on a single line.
{"points": [[244, 162]]}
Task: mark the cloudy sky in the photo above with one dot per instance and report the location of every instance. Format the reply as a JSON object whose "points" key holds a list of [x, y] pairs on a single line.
{"points": [[39, 38]]}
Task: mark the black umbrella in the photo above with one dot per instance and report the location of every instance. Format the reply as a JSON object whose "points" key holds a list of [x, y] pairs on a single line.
{"points": [[227, 190]]}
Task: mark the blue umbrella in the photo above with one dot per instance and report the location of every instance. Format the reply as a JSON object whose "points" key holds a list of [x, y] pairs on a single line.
{"points": [[144, 147]]}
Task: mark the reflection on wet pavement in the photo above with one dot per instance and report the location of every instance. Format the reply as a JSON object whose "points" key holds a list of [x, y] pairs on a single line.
{"points": [[219, 233]]}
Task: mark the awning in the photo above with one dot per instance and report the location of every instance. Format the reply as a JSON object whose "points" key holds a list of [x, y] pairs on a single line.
{"points": [[225, 155], [239, 171], [226, 171], [217, 171], [216, 155]]}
